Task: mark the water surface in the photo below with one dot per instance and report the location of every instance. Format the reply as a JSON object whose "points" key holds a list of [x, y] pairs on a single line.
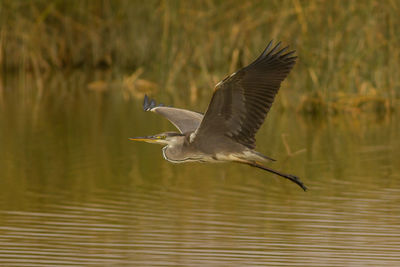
{"points": [[74, 191]]}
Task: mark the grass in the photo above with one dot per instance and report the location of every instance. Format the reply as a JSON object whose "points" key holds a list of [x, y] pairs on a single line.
{"points": [[349, 51]]}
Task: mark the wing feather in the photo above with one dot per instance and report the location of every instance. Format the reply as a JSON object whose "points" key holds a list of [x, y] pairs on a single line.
{"points": [[184, 120], [241, 101]]}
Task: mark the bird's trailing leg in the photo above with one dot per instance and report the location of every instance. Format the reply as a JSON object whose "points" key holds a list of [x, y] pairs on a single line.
{"points": [[292, 178]]}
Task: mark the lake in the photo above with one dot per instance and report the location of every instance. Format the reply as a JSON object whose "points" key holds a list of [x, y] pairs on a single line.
{"points": [[74, 191]]}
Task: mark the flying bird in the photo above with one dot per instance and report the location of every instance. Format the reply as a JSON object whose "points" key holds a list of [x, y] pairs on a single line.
{"points": [[226, 131]]}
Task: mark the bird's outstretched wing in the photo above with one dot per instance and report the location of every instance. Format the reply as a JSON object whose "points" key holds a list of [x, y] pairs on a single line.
{"points": [[184, 120], [241, 101]]}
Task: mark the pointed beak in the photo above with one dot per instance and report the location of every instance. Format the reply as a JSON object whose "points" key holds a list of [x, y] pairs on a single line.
{"points": [[148, 139]]}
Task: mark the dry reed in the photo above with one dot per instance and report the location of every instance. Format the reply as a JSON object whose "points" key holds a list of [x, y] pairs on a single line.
{"points": [[349, 51]]}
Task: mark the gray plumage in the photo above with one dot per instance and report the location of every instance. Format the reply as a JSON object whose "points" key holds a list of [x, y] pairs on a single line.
{"points": [[238, 107], [184, 120]]}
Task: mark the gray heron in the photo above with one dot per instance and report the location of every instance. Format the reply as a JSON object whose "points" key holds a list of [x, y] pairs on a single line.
{"points": [[238, 107]]}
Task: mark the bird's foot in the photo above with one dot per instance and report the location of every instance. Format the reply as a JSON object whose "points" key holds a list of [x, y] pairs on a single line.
{"points": [[296, 180]]}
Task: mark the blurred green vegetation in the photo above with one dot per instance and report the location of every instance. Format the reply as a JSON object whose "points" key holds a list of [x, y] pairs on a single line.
{"points": [[348, 51]]}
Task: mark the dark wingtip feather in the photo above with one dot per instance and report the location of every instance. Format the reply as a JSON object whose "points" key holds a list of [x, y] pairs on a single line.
{"points": [[274, 49], [281, 51], [145, 103], [268, 53], [266, 49], [288, 54], [264, 53], [291, 58], [149, 104], [152, 104]]}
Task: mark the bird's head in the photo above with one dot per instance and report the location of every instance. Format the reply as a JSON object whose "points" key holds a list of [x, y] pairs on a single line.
{"points": [[167, 138]]}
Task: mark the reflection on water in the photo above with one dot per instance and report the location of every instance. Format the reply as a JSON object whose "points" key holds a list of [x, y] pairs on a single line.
{"points": [[75, 191]]}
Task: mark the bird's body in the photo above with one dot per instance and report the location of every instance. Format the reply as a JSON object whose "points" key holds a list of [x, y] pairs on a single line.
{"points": [[226, 132], [182, 150]]}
